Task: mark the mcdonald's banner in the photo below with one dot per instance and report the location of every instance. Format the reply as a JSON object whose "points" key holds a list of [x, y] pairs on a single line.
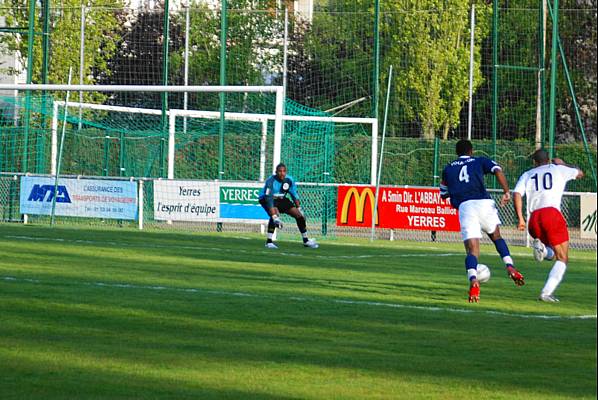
{"points": [[398, 208]]}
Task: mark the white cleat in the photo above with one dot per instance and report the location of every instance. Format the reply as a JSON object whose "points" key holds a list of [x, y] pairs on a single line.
{"points": [[539, 250], [311, 243], [271, 246], [548, 298]]}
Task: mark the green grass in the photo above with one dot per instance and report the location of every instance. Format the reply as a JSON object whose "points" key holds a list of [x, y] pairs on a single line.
{"points": [[117, 314]]}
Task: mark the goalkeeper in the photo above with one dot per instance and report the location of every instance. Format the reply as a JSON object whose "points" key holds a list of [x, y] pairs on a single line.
{"points": [[273, 197]]}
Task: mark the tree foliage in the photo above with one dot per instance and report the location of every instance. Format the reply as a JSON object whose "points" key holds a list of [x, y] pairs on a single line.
{"points": [[101, 34]]}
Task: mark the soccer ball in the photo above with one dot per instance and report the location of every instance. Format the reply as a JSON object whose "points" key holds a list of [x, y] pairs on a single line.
{"points": [[483, 273]]}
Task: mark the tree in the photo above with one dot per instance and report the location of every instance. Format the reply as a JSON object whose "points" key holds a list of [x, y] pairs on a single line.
{"points": [[100, 36], [253, 47], [577, 24], [139, 58], [331, 58], [427, 42], [430, 52]]}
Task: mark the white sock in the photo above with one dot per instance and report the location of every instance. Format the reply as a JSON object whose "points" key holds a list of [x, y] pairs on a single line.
{"points": [[472, 272], [549, 253], [507, 260], [554, 278], [304, 235]]}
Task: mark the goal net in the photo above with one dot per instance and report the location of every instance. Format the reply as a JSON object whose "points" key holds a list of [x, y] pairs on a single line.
{"points": [[240, 141]]}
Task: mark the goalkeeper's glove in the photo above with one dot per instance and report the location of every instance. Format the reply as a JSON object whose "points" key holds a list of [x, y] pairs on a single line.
{"points": [[277, 221]]}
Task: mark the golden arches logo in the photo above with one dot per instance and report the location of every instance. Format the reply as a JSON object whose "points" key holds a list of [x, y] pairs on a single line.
{"points": [[360, 199]]}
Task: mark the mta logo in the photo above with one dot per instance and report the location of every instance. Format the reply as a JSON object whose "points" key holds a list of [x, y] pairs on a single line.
{"points": [[46, 193]]}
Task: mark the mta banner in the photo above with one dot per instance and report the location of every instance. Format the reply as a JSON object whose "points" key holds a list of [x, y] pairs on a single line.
{"points": [[398, 208], [92, 198], [178, 200], [588, 216]]}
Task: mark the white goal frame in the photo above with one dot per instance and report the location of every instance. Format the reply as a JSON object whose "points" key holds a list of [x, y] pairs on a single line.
{"points": [[263, 119]]}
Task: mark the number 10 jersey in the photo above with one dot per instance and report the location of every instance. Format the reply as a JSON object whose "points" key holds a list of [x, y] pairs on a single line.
{"points": [[544, 185]]}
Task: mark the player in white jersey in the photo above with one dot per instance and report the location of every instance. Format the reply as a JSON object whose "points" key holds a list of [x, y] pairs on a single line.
{"points": [[544, 186]]}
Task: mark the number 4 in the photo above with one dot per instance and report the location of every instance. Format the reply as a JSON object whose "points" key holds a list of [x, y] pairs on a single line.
{"points": [[463, 176]]}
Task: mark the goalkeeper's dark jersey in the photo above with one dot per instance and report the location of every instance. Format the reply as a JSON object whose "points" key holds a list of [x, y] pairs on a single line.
{"points": [[275, 190]]}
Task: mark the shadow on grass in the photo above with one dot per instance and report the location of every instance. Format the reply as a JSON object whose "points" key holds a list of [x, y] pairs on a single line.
{"points": [[50, 380], [156, 331]]}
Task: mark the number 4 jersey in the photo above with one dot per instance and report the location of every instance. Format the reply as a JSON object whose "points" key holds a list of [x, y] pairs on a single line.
{"points": [[463, 179], [544, 185]]}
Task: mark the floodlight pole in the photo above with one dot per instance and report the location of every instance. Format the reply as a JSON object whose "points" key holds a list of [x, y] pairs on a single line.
{"points": [[81, 61], [553, 70], [494, 81], [30, 39], [59, 161], [376, 72], [186, 64], [375, 205], [165, 47], [471, 65], [223, 35]]}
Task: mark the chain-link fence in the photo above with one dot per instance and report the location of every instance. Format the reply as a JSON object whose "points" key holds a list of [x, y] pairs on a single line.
{"points": [[319, 203]]}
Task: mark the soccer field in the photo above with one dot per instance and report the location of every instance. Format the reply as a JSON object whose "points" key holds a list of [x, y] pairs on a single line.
{"points": [[122, 314]]}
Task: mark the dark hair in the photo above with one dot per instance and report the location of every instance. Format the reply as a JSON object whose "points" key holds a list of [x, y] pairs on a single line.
{"points": [[463, 147], [281, 165], [540, 156]]}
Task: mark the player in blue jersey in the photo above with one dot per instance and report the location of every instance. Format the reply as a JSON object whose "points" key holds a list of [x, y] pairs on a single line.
{"points": [[273, 197], [463, 182]]}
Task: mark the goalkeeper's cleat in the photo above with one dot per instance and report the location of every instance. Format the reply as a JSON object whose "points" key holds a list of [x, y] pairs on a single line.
{"points": [[311, 243], [515, 275], [271, 245], [474, 291], [539, 250], [548, 298]]}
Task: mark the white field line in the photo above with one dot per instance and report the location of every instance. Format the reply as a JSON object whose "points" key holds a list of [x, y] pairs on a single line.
{"points": [[308, 252], [126, 286], [239, 251]]}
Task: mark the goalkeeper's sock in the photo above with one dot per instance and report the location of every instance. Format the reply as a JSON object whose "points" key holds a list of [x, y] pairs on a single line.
{"points": [[271, 229]]}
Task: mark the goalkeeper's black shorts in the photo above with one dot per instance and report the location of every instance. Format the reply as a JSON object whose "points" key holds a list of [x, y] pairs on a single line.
{"points": [[283, 205]]}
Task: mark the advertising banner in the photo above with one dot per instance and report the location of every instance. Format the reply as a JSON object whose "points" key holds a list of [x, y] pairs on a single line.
{"points": [[93, 198], [398, 208], [186, 200], [588, 216], [239, 203], [208, 201]]}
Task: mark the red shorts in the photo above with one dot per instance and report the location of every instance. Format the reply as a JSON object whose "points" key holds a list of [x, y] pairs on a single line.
{"points": [[548, 225]]}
